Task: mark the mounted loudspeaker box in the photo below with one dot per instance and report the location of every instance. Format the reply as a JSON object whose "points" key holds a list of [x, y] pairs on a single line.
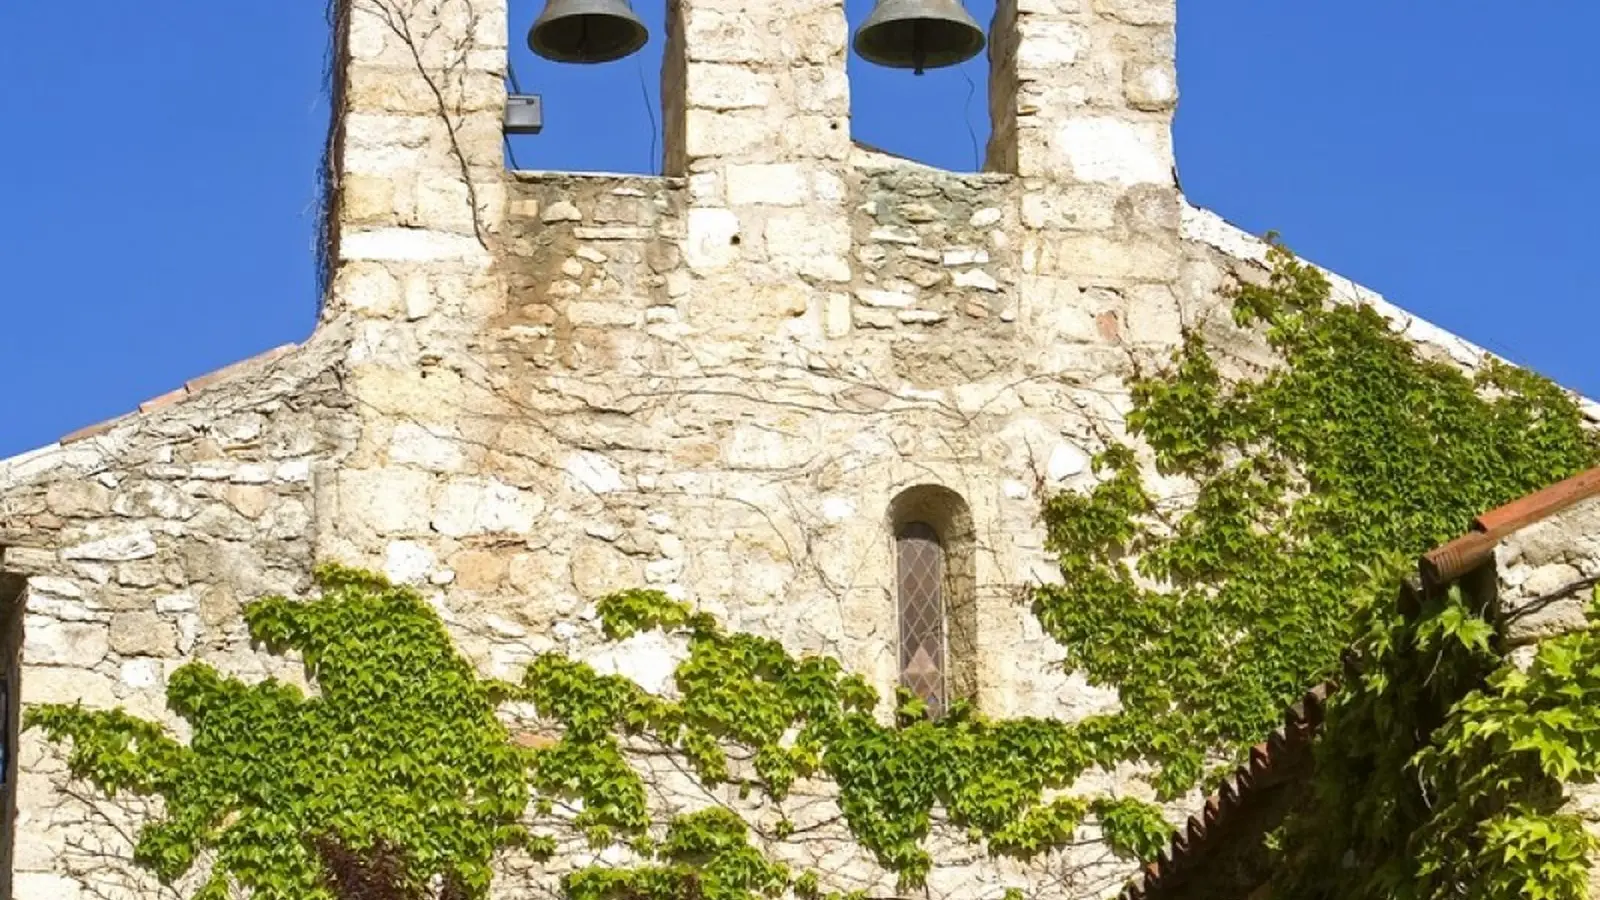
{"points": [[524, 114]]}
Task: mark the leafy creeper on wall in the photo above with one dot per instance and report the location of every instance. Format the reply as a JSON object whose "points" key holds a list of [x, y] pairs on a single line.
{"points": [[398, 781]]}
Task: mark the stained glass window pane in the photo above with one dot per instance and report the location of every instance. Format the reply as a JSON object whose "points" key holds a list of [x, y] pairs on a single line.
{"points": [[922, 615]]}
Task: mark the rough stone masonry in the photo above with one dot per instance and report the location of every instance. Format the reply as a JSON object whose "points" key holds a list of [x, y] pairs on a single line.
{"points": [[528, 389]]}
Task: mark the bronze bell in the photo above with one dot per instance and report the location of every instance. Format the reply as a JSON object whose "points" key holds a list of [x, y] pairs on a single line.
{"points": [[587, 31], [919, 34]]}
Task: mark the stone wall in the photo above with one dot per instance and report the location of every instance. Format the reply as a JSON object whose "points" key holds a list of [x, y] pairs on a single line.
{"points": [[933, 250], [531, 389], [138, 541]]}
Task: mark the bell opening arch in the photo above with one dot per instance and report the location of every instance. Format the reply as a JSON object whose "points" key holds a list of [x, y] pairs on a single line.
{"points": [[596, 68], [939, 117]]}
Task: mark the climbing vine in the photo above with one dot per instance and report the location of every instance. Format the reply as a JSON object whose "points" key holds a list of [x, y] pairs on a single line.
{"points": [[1442, 768], [398, 780], [1314, 484], [804, 717], [397, 773]]}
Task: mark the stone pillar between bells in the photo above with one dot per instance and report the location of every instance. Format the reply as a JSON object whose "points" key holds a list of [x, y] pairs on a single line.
{"points": [[758, 121], [1082, 96]]}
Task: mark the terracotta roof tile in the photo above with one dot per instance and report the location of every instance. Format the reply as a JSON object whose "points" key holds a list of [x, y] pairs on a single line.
{"points": [[189, 389], [1540, 504], [1286, 746], [1450, 561], [93, 431], [204, 381], [163, 401]]}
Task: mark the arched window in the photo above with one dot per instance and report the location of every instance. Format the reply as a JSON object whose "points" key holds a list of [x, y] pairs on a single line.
{"points": [[934, 587], [922, 614]]}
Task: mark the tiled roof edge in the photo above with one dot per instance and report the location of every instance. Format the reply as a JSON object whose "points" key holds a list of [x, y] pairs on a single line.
{"points": [[1448, 562], [189, 389], [1288, 745]]}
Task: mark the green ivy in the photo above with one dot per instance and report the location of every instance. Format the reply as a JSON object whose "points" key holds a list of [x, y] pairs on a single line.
{"points": [[1442, 768], [399, 774], [990, 776], [1315, 483], [401, 749], [706, 856]]}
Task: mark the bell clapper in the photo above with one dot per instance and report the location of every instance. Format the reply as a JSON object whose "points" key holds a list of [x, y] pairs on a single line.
{"points": [[919, 50]]}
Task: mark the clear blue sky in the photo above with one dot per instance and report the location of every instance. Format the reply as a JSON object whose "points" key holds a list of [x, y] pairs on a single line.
{"points": [[159, 159]]}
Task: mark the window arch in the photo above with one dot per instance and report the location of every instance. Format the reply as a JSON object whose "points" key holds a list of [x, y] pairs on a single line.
{"points": [[935, 608], [919, 562]]}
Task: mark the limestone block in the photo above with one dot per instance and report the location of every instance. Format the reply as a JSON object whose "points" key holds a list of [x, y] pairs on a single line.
{"points": [[1139, 12], [593, 472], [713, 241], [1083, 207], [776, 184], [1113, 150], [48, 642], [408, 562], [49, 684], [714, 34], [1541, 604], [1153, 315], [1049, 43], [472, 506], [836, 316], [807, 235], [648, 659], [409, 245], [1094, 256], [729, 134], [730, 87], [598, 569], [77, 498], [142, 674], [820, 89], [42, 885], [119, 546], [819, 137], [367, 198], [143, 634], [1150, 86], [480, 570], [436, 448], [390, 501]]}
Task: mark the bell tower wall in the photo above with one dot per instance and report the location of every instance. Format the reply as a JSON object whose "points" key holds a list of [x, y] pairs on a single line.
{"points": [[761, 348], [1082, 97], [758, 123], [717, 382]]}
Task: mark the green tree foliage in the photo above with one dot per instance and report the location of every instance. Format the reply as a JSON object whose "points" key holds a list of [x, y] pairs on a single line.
{"points": [[1315, 484]]}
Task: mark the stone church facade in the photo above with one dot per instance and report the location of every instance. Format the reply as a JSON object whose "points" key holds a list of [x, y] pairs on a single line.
{"points": [[758, 383]]}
